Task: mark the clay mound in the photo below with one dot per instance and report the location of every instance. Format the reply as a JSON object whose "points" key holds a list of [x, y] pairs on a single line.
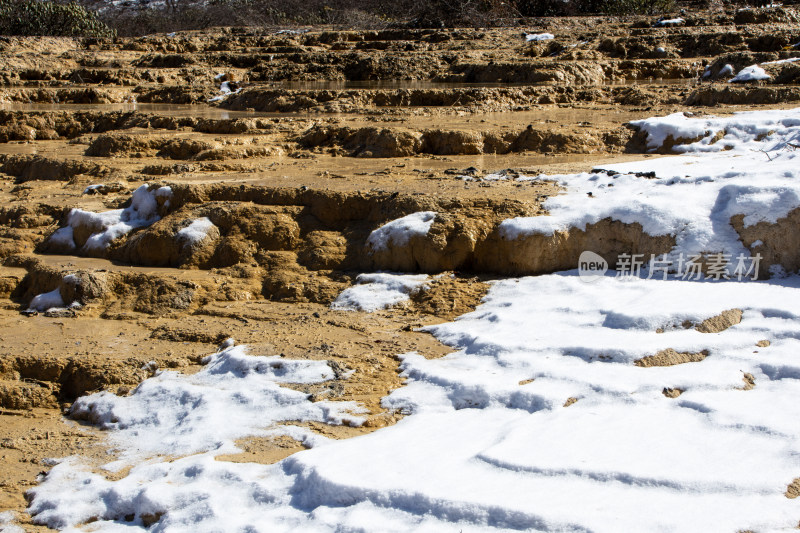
{"points": [[765, 15], [26, 395], [363, 142], [44, 381], [793, 490], [539, 254], [720, 322], [392, 142], [670, 357], [778, 243], [170, 242], [121, 145], [575, 73], [715, 95], [36, 167]]}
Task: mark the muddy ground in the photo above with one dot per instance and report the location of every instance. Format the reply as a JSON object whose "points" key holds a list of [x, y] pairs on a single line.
{"points": [[326, 136]]}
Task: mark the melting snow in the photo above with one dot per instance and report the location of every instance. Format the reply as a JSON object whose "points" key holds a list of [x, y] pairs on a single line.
{"points": [[196, 231], [110, 225], [742, 164], [47, 300], [751, 73], [379, 291], [539, 419], [398, 232], [670, 22]]}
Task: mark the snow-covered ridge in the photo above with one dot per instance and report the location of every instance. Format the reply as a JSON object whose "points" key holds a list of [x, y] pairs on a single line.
{"points": [[745, 164], [399, 231], [103, 228]]}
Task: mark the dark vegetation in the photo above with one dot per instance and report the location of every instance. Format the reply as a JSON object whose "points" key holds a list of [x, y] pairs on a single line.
{"points": [[102, 19], [31, 17], [189, 14]]}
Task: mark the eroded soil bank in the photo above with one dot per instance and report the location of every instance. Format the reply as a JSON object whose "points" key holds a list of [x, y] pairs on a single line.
{"points": [[325, 137]]}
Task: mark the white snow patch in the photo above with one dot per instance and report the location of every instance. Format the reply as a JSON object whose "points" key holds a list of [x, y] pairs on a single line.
{"points": [[782, 61], [233, 396], [727, 70], [225, 91], [195, 232], [110, 225], [399, 231], [670, 22], [488, 445], [751, 170], [539, 37], [380, 290], [7, 524], [47, 300], [751, 73]]}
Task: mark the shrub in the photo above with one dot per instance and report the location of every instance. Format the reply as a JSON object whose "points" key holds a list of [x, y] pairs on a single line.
{"points": [[628, 7], [552, 8], [35, 17]]}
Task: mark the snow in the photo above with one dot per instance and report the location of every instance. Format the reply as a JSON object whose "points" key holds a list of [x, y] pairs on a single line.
{"points": [[197, 416], [751, 73], [7, 524], [47, 300], [488, 445], [670, 22], [529, 37], [751, 169], [782, 61], [234, 395], [195, 232], [111, 225], [225, 91], [380, 290], [399, 231], [538, 420], [727, 70]]}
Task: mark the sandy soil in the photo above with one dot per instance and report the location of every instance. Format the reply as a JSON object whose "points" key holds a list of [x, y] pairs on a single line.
{"points": [[332, 135]]}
